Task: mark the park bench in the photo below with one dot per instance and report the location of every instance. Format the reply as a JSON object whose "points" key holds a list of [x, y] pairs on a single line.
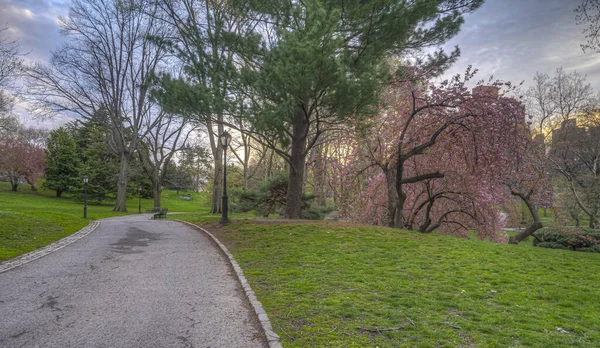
{"points": [[153, 210], [161, 214]]}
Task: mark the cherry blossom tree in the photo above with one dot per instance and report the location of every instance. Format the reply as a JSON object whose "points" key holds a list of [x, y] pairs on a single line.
{"points": [[436, 156], [526, 177], [21, 158]]}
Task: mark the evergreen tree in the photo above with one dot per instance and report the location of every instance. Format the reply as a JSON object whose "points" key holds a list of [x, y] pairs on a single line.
{"points": [[98, 162], [62, 161], [300, 68], [324, 63]]}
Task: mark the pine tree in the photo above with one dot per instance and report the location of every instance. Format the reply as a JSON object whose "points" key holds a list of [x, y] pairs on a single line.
{"points": [[324, 63], [62, 161]]}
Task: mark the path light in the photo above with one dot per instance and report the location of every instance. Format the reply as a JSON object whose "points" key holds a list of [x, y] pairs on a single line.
{"points": [[139, 199], [85, 183], [225, 139]]}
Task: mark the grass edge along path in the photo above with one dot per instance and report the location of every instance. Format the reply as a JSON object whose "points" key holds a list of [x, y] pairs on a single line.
{"points": [[30, 219], [22, 232], [326, 284]]}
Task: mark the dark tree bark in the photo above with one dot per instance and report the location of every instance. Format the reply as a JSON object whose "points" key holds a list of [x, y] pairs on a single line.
{"points": [[319, 176], [217, 152], [297, 162], [390, 179], [123, 179], [535, 225], [157, 190]]}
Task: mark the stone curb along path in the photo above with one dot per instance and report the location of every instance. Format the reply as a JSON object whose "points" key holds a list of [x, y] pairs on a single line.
{"points": [[272, 337], [50, 248]]}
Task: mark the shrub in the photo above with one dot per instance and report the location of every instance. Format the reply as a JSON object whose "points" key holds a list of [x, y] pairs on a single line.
{"points": [[592, 249], [245, 201], [551, 236], [593, 233], [271, 197], [577, 239], [551, 245], [315, 212]]}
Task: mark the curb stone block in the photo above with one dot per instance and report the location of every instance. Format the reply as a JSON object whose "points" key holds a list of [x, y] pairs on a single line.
{"points": [[272, 338]]}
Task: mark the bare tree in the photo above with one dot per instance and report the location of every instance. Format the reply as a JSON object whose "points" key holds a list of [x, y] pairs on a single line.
{"points": [[588, 14], [570, 93], [11, 61], [553, 100], [165, 139], [195, 161], [557, 105], [11, 58], [106, 67], [205, 32], [8, 121], [540, 105], [576, 157], [245, 149]]}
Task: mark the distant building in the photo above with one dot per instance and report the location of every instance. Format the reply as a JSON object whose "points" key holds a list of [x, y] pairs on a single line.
{"points": [[568, 132], [570, 139], [491, 91]]}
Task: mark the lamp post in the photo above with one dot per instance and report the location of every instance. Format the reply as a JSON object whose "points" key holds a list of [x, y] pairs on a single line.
{"points": [[224, 138], [139, 199], [85, 183]]}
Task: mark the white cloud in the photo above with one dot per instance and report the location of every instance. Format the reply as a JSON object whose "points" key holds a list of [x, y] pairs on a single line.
{"points": [[34, 23], [512, 39]]}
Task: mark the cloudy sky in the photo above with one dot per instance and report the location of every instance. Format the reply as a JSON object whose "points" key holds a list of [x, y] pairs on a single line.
{"points": [[512, 39], [509, 39]]}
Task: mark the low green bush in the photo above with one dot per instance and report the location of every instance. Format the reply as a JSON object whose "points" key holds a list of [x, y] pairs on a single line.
{"points": [[551, 236], [270, 197], [316, 212], [244, 201], [578, 239], [551, 245], [592, 249]]}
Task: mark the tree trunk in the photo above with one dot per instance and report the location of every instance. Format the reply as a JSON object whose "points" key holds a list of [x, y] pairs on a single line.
{"points": [[576, 218], [398, 221], [390, 181], [31, 183], [217, 180], [293, 204], [217, 152], [59, 193], [245, 184], [319, 176], [156, 192], [121, 203], [304, 178], [535, 225], [270, 166], [14, 186], [528, 232]]}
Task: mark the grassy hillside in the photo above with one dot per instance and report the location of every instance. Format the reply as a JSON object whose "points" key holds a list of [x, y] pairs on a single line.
{"points": [[32, 219], [328, 284]]}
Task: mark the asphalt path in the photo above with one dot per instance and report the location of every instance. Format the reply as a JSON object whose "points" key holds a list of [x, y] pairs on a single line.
{"points": [[133, 282]]}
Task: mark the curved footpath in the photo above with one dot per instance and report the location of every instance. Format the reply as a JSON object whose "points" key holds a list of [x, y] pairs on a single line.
{"points": [[133, 282]]}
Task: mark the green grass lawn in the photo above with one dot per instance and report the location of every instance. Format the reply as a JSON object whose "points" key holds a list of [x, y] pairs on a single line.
{"points": [[327, 284], [32, 219]]}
